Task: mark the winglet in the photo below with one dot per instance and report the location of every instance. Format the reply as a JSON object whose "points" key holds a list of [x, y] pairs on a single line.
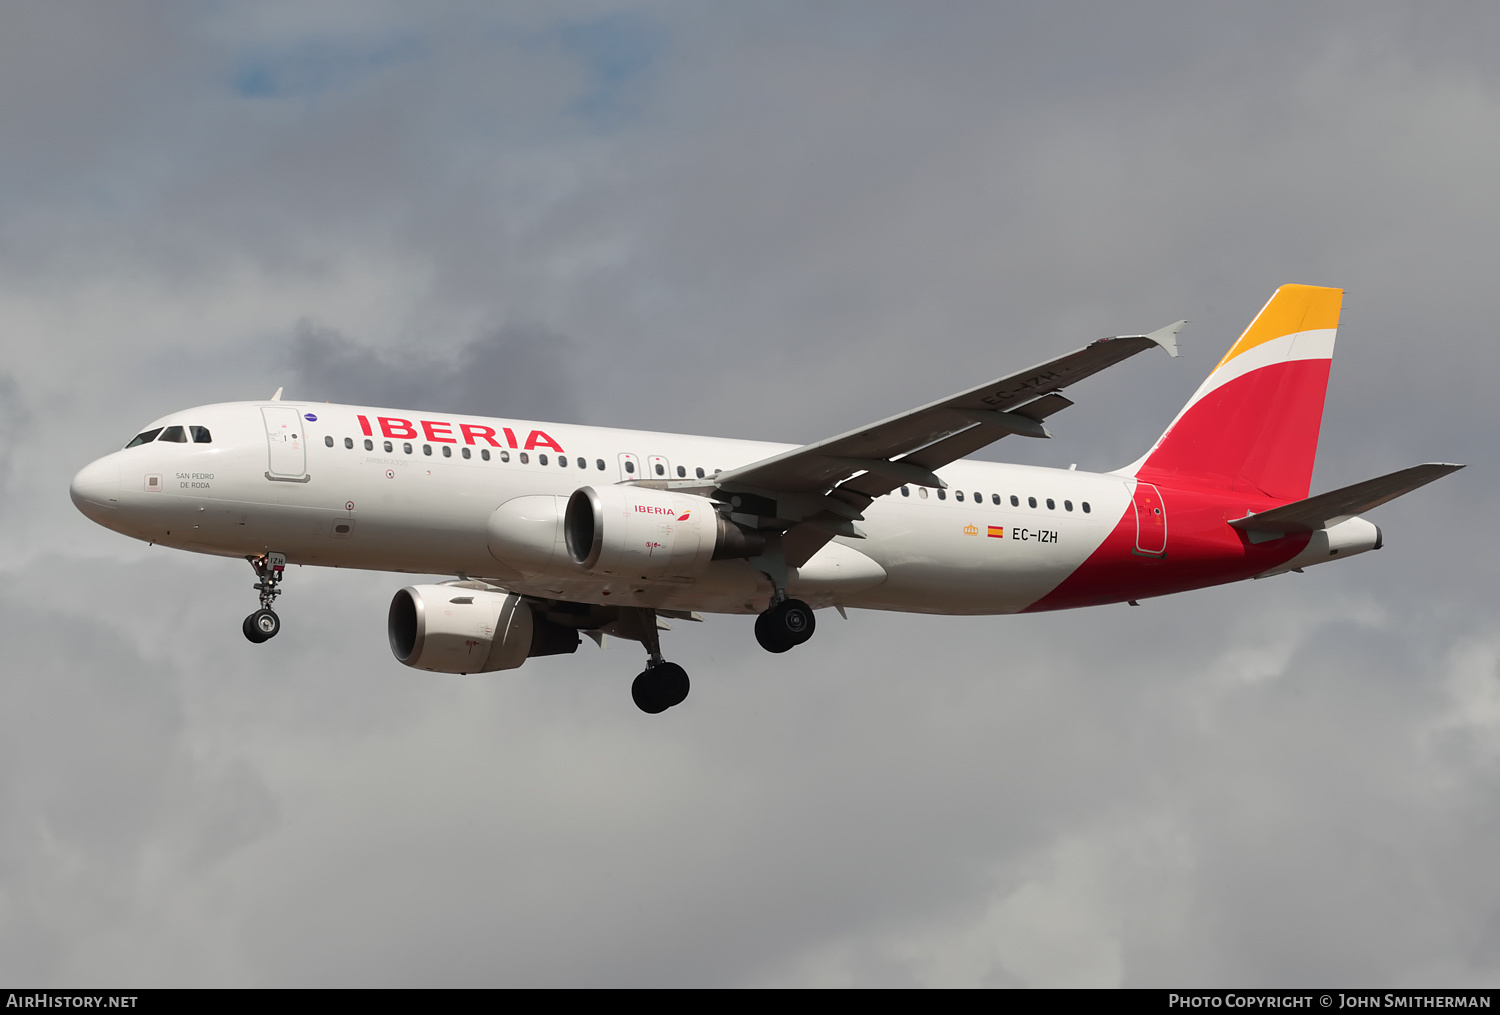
{"points": [[1167, 337], [276, 397]]}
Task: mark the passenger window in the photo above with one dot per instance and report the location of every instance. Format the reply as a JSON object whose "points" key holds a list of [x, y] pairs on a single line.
{"points": [[1015, 501], [328, 441], [1051, 505], [1067, 505], [427, 449], [682, 472], [958, 495], [1085, 506], [505, 456], [466, 452], [922, 492], [699, 471], [629, 468], [369, 444], [978, 497], [906, 491], [201, 435], [541, 459], [389, 447], [995, 499], [583, 463], [175, 434], [406, 448], [447, 451], [349, 443], [661, 470], [562, 460], [942, 494], [1031, 501], [600, 463], [144, 438], [525, 458], [484, 453]]}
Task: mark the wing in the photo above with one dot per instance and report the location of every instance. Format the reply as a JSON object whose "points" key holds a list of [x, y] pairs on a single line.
{"points": [[818, 491]]}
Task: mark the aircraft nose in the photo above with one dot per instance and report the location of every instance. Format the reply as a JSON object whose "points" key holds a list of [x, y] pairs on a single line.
{"points": [[96, 488]]}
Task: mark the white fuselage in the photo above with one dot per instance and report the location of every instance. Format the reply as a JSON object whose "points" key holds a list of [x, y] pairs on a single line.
{"points": [[393, 490]]}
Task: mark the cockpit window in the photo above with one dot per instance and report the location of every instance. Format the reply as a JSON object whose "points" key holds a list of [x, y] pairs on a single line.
{"points": [[144, 438], [200, 435], [175, 434]]}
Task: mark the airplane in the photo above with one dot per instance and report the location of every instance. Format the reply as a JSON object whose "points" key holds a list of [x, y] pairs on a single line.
{"points": [[552, 531]]}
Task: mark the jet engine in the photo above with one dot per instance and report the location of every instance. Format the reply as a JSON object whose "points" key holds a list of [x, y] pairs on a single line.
{"points": [[637, 532], [453, 629]]}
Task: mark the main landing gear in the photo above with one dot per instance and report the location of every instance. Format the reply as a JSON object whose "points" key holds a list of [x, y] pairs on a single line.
{"points": [[263, 624], [662, 684], [785, 625]]}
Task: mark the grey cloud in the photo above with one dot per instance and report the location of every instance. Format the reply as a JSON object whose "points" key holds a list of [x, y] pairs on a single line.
{"points": [[105, 796], [520, 371], [15, 419]]}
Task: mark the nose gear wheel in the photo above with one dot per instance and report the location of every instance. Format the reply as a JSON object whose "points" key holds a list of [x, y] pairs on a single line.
{"points": [[262, 625]]}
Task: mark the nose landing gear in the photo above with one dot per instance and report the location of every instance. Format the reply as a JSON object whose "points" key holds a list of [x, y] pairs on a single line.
{"points": [[263, 624]]}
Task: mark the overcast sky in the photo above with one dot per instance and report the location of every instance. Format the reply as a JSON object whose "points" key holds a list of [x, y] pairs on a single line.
{"points": [[774, 221]]}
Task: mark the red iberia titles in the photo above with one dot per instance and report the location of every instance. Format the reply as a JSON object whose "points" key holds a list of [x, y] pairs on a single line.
{"points": [[440, 432]]}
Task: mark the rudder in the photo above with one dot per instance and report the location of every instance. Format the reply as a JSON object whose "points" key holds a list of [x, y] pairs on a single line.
{"points": [[1253, 424]]}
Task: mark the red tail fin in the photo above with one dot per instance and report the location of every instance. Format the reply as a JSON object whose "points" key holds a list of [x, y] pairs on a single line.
{"points": [[1253, 425]]}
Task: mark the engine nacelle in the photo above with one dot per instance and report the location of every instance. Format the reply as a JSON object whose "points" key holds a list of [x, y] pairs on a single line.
{"points": [[451, 629], [636, 532]]}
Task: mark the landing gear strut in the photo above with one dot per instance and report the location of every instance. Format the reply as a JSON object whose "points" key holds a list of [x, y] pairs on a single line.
{"points": [[661, 684], [263, 624]]}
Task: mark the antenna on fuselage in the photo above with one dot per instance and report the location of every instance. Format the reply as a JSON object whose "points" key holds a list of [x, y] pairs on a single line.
{"points": [[276, 397]]}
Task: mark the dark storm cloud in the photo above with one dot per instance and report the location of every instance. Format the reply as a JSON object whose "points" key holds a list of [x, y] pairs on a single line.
{"points": [[513, 371]]}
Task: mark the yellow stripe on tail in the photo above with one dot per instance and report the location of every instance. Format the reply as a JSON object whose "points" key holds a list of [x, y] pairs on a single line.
{"points": [[1292, 308]]}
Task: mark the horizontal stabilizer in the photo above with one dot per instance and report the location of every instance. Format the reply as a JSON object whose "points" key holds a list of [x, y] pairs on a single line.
{"points": [[1337, 505]]}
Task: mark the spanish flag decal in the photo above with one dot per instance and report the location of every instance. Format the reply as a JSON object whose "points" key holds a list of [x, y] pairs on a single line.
{"points": [[997, 531]]}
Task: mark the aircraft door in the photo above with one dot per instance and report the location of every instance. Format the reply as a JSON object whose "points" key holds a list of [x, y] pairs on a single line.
{"points": [[658, 467], [1150, 521], [629, 468], [286, 442]]}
